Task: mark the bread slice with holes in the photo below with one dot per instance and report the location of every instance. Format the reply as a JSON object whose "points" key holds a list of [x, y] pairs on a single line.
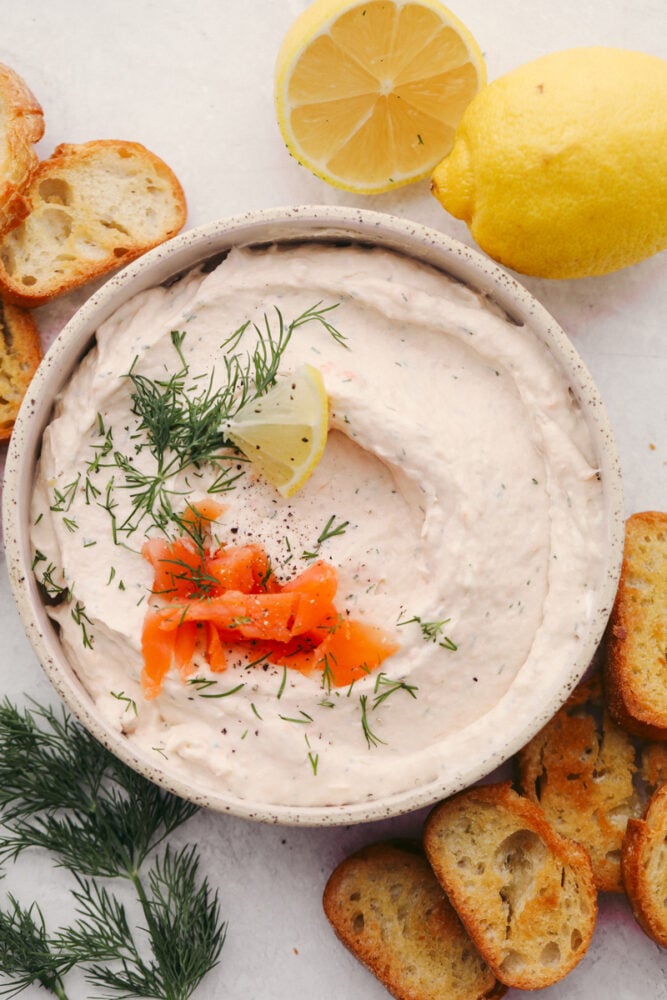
{"points": [[580, 768], [636, 660], [388, 909], [644, 862], [525, 894], [94, 207], [20, 354], [21, 126]]}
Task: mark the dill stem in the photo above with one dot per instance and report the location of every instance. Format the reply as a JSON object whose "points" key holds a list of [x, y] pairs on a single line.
{"points": [[59, 991], [135, 879]]}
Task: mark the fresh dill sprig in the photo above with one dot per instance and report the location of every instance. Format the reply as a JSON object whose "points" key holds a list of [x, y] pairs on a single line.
{"points": [[385, 687], [53, 589], [330, 530], [302, 718], [79, 615], [432, 631], [371, 738], [62, 791], [313, 758], [63, 499], [183, 923], [101, 451], [37, 559], [180, 419], [130, 703], [328, 672], [283, 683], [27, 956], [200, 684]]}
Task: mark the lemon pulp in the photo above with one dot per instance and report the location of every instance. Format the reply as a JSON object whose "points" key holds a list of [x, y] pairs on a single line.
{"points": [[368, 95], [284, 432]]}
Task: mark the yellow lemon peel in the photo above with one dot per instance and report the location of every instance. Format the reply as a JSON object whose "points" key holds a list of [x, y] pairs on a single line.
{"points": [[368, 95], [559, 167]]}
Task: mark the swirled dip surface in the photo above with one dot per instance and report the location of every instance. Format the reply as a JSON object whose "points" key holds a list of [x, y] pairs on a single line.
{"points": [[459, 460]]}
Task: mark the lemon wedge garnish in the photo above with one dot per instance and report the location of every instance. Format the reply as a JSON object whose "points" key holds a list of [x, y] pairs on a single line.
{"points": [[283, 433], [368, 95]]}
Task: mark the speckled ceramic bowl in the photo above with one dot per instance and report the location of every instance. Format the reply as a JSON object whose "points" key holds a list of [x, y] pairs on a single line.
{"points": [[476, 754]]}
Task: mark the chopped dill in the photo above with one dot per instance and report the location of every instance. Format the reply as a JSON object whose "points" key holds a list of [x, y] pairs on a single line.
{"points": [[180, 419], [328, 676], [130, 703], [432, 631], [283, 683], [330, 530], [385, 687], [314, 758], [372, 739], [37, 558], [200, 684], [63, 499], [53, 589], [303, 718], [79, 615]]}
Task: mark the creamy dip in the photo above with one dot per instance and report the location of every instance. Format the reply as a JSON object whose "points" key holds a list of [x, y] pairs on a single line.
{"points": [[458, 464]]}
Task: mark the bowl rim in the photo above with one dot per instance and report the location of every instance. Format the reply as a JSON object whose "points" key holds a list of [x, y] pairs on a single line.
{"points": [[184, 252]]}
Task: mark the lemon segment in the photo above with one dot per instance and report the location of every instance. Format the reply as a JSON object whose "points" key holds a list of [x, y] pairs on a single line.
{"points": [[559, 167], [368, 95], [284, 432]]}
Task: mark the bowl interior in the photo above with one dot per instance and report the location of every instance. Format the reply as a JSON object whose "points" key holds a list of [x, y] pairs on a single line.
{"points": [[484, 747]]}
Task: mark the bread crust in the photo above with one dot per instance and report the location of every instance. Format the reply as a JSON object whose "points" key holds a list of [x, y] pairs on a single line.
{"points": [[21, 126], [579, 768], [94, 207], [524, 893], [386, 906], [644, 865], [20, 354], [636, 643]]}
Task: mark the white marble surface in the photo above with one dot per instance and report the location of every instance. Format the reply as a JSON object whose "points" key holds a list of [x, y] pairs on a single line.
{"points": [[193, 81]]}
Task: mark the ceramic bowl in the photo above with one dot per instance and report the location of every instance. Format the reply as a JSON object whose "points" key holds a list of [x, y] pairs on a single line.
{"points": [[474, 754]]}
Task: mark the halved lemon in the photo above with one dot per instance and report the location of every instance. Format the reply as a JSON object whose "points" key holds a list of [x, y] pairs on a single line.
{"points": [[283, 433], [368, 95]]}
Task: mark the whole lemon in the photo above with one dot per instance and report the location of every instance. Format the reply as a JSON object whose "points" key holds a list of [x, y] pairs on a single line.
{"points": [[559, 167]]}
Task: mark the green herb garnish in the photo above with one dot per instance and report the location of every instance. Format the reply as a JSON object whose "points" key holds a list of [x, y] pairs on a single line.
{"points": [[130, 703], [371, 739], [330, 530], [385, 687], [432, 631], [62, 791], [83, 621], [180, 421]]}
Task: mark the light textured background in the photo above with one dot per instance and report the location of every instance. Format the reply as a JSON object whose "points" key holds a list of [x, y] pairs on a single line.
{"points": [[193, 82]]}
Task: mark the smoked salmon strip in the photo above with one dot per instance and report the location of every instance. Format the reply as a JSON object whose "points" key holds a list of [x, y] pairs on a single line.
{"points": [[207, 601]]}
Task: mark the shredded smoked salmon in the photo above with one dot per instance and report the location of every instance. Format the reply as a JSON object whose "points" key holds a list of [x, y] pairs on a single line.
{"points": [[208, 599]]}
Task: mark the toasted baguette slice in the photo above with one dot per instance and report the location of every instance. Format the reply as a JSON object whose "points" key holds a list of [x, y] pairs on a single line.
{"points": [[644, 863], [654, 766], [387, 907], [524, 893], [21, 125], [636, 660], [94, 206], [579, 768], [20, 354]]}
